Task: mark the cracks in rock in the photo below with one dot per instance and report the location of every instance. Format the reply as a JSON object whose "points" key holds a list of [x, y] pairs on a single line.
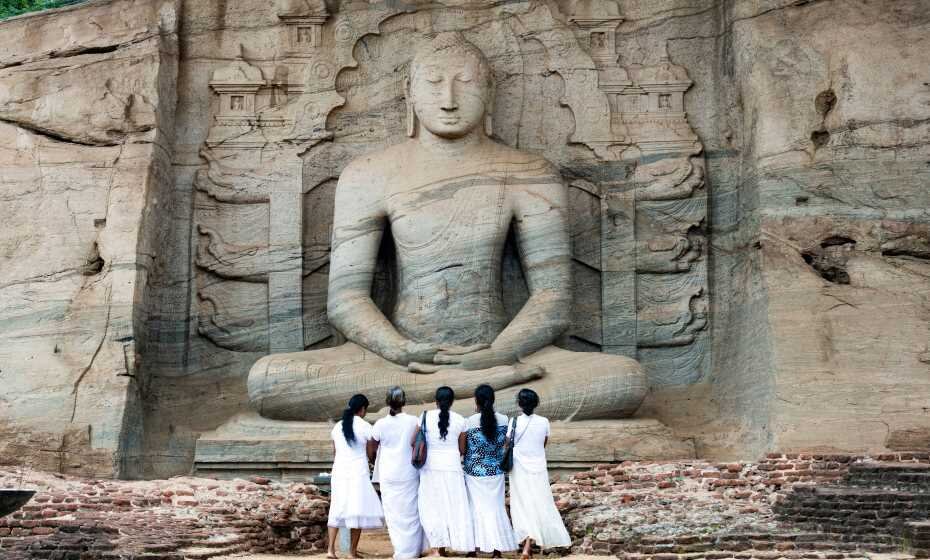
{"points": [[730, 24], [47, 277], [841, 302], [93, 358], [56, 136], [78, 51]]}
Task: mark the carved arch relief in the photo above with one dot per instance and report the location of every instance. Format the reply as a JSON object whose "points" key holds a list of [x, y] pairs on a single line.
{"points": [[284, 128]]}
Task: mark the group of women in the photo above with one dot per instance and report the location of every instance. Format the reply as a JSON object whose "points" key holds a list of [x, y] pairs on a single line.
{"points": [[456, 499]]}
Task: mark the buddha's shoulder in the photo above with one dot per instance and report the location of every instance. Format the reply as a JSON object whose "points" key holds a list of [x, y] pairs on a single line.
{"points": [[378, 162], [521, 162]]}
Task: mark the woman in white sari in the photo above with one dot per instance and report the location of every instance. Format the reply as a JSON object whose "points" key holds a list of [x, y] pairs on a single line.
{"points": [[353, 504], [535, 517], [484, 449], [400, 481], [443, 500]]}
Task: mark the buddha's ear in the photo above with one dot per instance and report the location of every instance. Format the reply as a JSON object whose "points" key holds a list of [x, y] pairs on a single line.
{"points": [[489, 112], [411, 114]]}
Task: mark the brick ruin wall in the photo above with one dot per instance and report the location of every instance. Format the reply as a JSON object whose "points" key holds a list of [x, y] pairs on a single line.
{"points": [[661, 510]]}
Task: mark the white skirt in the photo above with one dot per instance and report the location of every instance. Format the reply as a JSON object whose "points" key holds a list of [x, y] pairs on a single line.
{"points": [[444, 514], [353, 502], [402, 517], [492, 526], [533, 509]]}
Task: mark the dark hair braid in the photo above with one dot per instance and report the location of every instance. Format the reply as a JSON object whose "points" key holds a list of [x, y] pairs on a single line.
{"points": [[484, 398], [356, 403], [445, 396]]}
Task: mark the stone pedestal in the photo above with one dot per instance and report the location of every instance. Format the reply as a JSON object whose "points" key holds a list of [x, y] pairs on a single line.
{"points": [[251, 445]]}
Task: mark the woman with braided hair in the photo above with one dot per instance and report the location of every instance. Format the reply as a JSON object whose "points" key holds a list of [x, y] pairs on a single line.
{"points": [[484, 449], [443, 500], [353, 504], [536, 520]]}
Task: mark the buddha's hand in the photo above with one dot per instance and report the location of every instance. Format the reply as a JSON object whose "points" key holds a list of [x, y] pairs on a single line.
{"points": [[412, 352], [480, 356]]}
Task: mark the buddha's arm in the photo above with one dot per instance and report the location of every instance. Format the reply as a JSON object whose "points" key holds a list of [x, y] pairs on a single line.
{"points": [[545, 251], [541, 222], [358, 226]]}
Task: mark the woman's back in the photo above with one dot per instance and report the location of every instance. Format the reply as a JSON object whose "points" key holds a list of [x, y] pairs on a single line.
{"points": [[443, 454], [356, 451], [483, 456], [530, 442], [394, 435]]}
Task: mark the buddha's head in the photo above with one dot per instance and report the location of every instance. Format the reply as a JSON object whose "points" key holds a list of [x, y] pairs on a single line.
{"points": [[450, 89]]}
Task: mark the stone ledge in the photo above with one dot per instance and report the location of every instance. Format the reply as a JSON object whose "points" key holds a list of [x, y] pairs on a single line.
{"points": [[249, 444]]}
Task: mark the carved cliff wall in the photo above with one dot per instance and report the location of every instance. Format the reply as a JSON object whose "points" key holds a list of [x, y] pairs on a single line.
{"points": [[86, 118], [748, 184]]}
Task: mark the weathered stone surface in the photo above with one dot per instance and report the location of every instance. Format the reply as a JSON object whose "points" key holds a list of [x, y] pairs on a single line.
{"points": [[81, 167], [773, 285], [289, 450]]}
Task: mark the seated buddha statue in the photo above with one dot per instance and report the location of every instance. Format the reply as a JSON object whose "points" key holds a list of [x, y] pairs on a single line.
{"points": [[449, 196]]}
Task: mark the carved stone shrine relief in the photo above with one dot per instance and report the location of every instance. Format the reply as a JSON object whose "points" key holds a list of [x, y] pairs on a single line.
{"points": [[284, 129]]}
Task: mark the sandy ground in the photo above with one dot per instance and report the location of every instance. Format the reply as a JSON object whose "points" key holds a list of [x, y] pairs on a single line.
{"points": [[377, 545]]}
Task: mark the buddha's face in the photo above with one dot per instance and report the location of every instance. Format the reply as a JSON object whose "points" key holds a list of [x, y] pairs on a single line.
{"points": [[449, 94]]}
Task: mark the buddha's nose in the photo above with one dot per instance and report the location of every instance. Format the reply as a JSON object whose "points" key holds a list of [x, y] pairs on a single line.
{"points": [[448, 101]]}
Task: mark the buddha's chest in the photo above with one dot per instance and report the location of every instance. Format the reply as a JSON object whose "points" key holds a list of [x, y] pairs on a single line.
{"points": [[452, 215]]}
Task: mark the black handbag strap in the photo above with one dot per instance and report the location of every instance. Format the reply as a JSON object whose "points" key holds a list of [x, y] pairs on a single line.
{"points": [[423, 423]]}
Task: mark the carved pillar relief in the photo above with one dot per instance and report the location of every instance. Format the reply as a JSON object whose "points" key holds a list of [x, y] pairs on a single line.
{"points": [[653, 237]]}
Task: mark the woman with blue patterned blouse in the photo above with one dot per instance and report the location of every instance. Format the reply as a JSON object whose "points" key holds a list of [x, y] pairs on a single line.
{"points": [[484, 448]]}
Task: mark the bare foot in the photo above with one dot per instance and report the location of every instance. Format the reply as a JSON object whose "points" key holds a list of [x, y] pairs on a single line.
{"points": [[331, 556]]}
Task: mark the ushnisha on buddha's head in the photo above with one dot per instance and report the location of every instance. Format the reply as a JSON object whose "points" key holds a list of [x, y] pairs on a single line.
{"points": [[450, 89]]}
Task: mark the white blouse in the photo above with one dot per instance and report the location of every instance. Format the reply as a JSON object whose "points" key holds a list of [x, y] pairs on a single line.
{"points": [[351, 454], [394, 435], [443, 454], [529, 448]]}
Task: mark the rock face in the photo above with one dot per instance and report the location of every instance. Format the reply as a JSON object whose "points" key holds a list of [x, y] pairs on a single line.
{"points": [[86, 107], [746, 184]]}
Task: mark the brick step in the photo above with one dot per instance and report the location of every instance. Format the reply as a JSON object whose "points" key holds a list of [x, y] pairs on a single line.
{"points": [[916, 538], [915, 476], [753, 555], [755, 545]]}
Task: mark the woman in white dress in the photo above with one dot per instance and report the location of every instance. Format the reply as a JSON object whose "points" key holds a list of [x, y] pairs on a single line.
{"points": [[443, 500], [484, 449], [400, 481], [535, 517], [353, 502]]}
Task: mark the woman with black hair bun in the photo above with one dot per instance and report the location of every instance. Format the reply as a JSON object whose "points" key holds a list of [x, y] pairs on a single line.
{"points": [[535, 517], [484, 478], [400, 481], [353, 504], [443, 500]]}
